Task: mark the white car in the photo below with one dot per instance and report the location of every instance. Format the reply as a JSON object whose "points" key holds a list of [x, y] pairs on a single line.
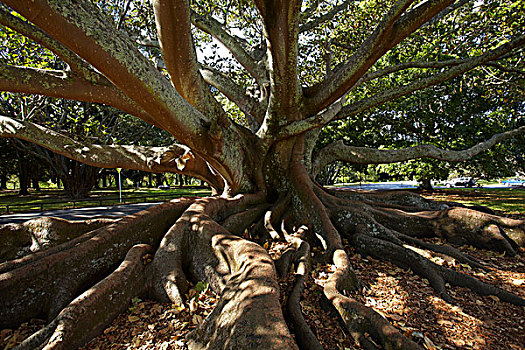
{"points": [[461, 182]]}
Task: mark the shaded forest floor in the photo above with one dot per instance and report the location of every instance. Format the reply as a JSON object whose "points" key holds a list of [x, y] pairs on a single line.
{"points": [[405, 299]]}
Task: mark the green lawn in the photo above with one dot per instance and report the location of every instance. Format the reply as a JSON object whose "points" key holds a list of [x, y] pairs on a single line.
{"points": [[504, 199], [509, 200], [48, 199]]}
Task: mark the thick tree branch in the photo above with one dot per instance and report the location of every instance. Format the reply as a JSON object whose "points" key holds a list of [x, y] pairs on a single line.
{"points": [[176, 42], [82, 28], [408, 65], [63, 84], [85, 31], [252, 108], [174, 158], [430, 65], [324, 18], [281, 27], [105, 156], [388, 95], [235, 45], [364, 155], [393, 28], [505, 69], [435, 79], [123, 14], [447, 10], [322, 118], [76, 64]]}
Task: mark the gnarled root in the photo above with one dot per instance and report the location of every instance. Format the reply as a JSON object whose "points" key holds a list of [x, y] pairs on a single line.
{"points": [[436, 275], [467, 226], [204, 240], [383, 230], [248, 314], [300, 250], [40, 286], [358, 318], [457, 225], [375, 232], [18, 240], [88, 315]]}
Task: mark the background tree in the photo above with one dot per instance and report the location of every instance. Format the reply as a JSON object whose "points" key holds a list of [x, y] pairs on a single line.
{"points": [[469, 111], [7, 165], [248, 125]]}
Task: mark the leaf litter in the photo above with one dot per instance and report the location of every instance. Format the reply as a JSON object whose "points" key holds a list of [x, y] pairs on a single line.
{"points": [[402, 297]]}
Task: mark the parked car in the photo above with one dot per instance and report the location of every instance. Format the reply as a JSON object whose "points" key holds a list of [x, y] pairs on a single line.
{"points": [[461, 182], [513, 182], [164, 187]]}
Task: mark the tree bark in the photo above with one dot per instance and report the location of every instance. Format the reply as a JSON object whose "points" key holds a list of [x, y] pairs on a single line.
{"points": [[3, 181], [23, 177], [79, 179], [425, 184]]}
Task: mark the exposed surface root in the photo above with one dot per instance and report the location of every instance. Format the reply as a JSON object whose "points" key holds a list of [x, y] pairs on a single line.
{"points": [[443, 249], [304, 336], [472, 322], [373, 229], [88, 315], [462, 280], [248, 315], [239, 223], [18, 240], [359, 319], [456, 225], [404, 200], [42, 287], [402, 257], [204, 240], [436, 275], [307, 206], [466, 226], [264, 229], [241, 271]]}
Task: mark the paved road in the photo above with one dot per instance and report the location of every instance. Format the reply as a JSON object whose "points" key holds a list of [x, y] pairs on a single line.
{"points": [[79, 213], [400, 185], [383, 185], [127, 209]]}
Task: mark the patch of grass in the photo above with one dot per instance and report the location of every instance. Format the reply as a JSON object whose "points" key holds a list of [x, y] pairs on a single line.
{"points": [[48, 199], [509, 200]]}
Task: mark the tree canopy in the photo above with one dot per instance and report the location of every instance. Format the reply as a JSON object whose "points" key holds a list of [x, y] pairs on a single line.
{"points": [[325, 61]]}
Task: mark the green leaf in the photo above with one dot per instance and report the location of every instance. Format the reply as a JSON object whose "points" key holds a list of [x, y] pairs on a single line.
{"points": [[201, 287]]}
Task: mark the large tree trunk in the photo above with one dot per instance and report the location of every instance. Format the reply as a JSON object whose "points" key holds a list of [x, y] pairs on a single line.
{"points": [[150, 180], [425, 184], [265, 172]]}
